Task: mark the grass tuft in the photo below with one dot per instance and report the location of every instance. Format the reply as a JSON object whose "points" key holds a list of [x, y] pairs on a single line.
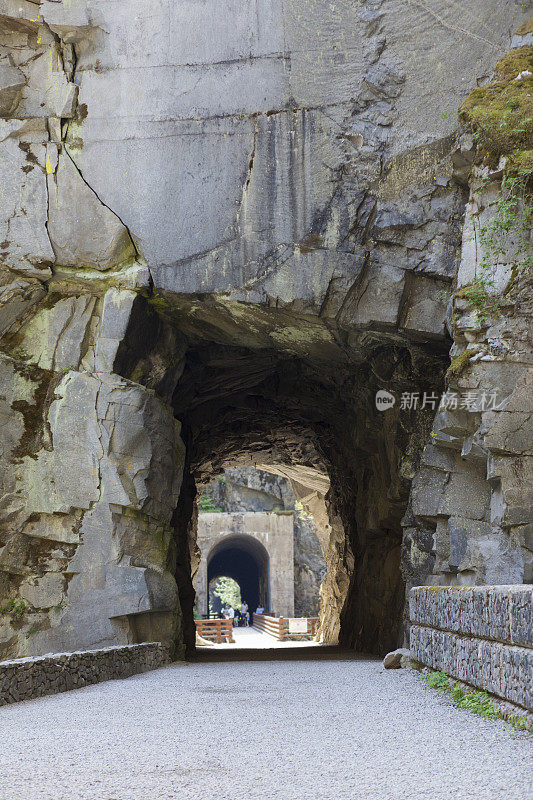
{"points": [[472, 700]]}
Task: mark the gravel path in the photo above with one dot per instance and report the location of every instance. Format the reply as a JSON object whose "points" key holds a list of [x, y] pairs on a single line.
{"points": [[284, 730]]}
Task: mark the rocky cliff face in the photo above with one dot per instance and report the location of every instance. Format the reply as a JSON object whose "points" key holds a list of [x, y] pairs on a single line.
{"points": [[471, 501], [309, 567], [224, 229], [248, 489]]}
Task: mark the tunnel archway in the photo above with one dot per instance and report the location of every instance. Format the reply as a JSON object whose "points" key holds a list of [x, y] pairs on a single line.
{"points": [[275, 388], [246, 561]]}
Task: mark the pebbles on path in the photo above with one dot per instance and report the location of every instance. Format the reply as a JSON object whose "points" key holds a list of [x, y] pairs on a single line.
{"points": [[284, 730]]}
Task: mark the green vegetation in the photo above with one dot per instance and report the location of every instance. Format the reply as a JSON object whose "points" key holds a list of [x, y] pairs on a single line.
{"points": [[207, 506], [227, 590], [300, 511], [14, 607], [510, 226], [514, 209], [158, 302], [501, 117], [501, 113], [478, 297], [457, 366], [472, 700], [519, 166], [526, 28]]}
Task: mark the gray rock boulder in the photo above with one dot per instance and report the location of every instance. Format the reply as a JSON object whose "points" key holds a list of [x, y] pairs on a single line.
{"points": [[83, 231], [397, 659]]}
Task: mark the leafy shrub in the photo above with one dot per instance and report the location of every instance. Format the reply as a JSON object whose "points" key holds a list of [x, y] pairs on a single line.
{"points": [[207, 506]]}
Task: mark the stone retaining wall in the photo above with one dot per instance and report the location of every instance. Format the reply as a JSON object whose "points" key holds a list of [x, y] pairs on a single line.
{"points": [[27, 678], [481, 635]]}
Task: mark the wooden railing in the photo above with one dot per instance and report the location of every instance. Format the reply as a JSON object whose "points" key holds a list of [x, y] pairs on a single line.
{"points": [[280, 627], [271, 625], [215, 630]]}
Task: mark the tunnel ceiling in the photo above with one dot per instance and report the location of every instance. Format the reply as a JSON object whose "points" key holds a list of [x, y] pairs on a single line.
{"points": [[245, 543], [251, 380]]}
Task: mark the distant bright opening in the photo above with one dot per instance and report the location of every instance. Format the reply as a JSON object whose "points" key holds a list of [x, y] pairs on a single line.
{"points": [[246, 561], [224, 591]]}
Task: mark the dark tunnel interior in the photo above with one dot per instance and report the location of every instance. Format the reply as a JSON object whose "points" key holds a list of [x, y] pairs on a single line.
{"points": [[246, 561]]}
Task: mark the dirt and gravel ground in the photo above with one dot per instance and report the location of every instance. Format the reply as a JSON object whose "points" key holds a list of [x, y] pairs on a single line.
{"points": [[321, 726]]}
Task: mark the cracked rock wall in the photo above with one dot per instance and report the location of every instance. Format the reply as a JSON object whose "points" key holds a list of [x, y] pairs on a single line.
{"points": [[470, 517], [87, 502], [292, 155]]}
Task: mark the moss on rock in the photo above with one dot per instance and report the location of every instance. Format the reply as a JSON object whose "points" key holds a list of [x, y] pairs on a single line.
{"points": [[457, 366], [520, 165], [526, 28], [501, 113]]}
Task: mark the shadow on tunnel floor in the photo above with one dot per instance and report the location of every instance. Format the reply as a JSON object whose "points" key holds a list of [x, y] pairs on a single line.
{"points": [[314, 653]]}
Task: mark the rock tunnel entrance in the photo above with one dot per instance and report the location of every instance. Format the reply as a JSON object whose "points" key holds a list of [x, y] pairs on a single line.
{"points": [[246, 561], [152, 336], [269, 387]]}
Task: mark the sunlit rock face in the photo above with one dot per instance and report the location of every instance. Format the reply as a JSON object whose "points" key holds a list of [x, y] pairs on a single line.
{"points": [[223, 228]]}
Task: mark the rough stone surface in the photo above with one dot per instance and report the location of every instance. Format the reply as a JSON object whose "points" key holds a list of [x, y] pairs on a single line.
{"points": [[480, 635], [81, 228], [501, 613], [248, 489], [396, 658], [472, 495], [28, 678], [226, 273]]}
